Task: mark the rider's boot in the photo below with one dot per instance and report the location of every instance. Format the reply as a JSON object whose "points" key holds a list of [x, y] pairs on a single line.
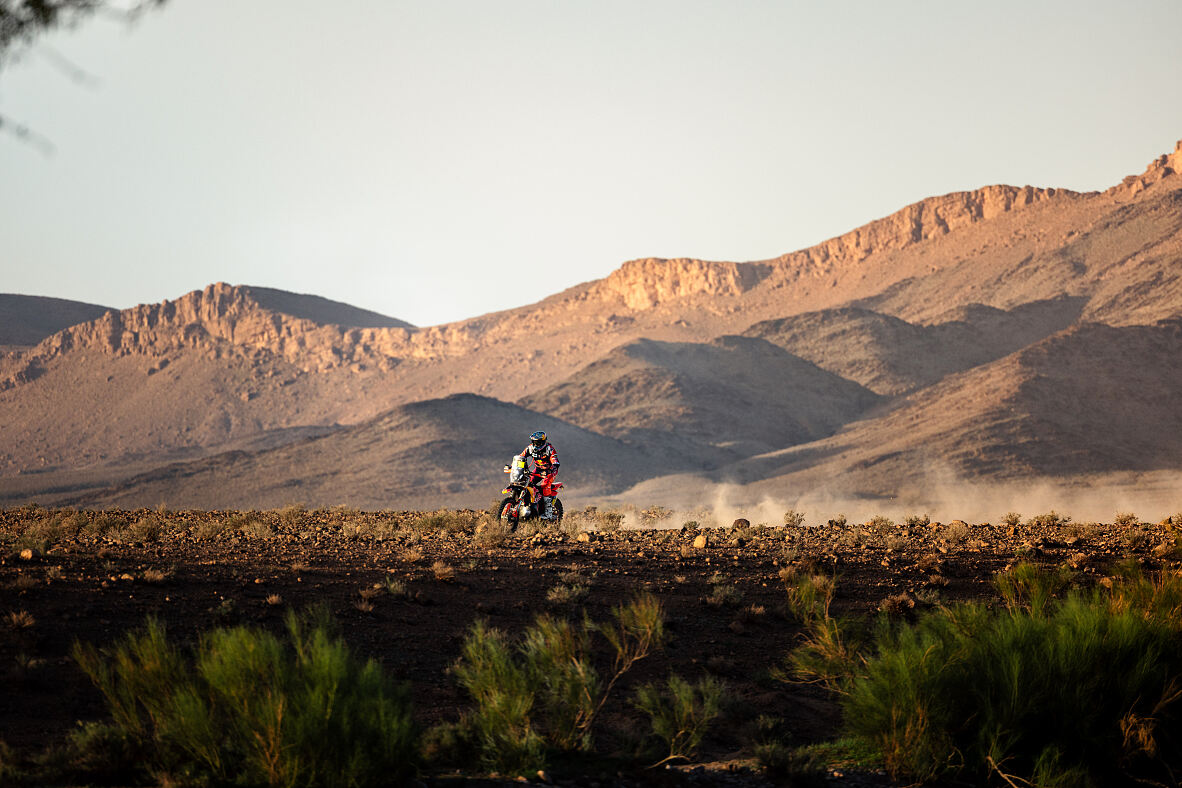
{"points": [[548, 510]]}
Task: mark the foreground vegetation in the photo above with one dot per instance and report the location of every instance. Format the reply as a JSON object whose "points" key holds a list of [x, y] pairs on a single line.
{"points": [[1070, 673], [1060, 686]]}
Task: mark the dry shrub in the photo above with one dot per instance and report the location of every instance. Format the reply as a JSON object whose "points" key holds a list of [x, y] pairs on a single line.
{"points": [[724, 595], [1126, 520], [155, 575], [445, 520], [492, 532], [21, 619], [793, 518], [1051, 519], [956, 532], [292, 514], [654, 515], [147, 529], [897, 604], [1012, 519], [1138, 539], [257, 529], [591, 519], [567, 593], [210, 529], [442, 571], [411, 555]]}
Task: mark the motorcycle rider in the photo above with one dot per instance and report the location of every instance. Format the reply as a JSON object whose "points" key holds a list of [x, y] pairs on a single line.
{"points": [[545, 458]]}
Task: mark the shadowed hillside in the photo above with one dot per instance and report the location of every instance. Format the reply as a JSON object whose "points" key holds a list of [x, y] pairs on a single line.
{"points": [[415, 455], [1088, 400], [26, 320], [732, 397], [891, 356]]}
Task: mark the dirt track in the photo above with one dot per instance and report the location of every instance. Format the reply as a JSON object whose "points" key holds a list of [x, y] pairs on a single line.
{"points": [[196, 570]]}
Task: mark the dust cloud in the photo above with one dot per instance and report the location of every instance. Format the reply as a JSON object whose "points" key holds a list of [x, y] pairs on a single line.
{"points": [[939, 494]]}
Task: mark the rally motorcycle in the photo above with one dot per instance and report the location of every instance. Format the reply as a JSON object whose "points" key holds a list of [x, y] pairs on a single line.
{"points": [[522, 501]]}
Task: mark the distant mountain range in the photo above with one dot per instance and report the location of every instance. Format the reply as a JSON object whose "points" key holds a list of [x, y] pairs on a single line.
{"points": [[1004, 333]]}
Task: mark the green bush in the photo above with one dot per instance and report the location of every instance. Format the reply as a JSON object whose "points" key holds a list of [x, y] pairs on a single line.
{"points": [[542, 693], [681, 713], [1081, 691], [250, 707], [830, 648]]}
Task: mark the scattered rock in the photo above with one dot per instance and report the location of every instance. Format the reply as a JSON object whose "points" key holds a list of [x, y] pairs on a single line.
{"points": [[700, 541]]}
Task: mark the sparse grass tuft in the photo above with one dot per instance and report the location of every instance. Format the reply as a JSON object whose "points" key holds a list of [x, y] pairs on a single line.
{"points": [[155, 575], [21, 619], [442, 571], [566, 594], [395, 588], [724, 595]]}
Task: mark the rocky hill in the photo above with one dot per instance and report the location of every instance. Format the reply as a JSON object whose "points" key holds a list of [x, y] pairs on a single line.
{"points": [[938, 292]]}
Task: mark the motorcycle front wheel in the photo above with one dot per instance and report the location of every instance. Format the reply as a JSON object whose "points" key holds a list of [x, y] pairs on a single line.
{"points": [[557, 510], [507, 510]]}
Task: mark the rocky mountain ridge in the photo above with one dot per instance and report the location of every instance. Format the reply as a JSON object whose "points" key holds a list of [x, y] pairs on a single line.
{"points": [[911, 304]]}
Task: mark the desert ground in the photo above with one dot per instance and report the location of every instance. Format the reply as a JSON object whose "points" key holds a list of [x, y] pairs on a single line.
{"points": [[406, 588]]}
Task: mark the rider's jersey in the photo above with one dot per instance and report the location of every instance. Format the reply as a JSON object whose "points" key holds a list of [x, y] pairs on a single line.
{"points": [[545, 461]]}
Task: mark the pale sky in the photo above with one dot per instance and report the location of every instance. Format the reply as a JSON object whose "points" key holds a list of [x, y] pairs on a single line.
{"points": [[437, 160]]}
